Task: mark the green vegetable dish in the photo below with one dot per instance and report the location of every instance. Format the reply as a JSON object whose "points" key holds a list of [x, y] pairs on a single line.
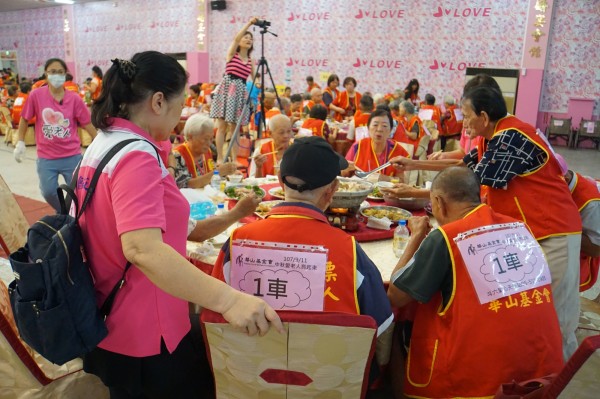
{"points": [[238, 192]]}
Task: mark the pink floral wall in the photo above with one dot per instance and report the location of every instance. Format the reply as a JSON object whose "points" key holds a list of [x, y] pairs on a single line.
{"points": [[573, 66], [36, 35], [104, 32], [382, 43]]}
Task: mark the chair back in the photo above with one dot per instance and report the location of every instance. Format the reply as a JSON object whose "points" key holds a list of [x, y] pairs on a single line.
{"points": [[579, 376], [13, 225], [559, 126], [321, 354], [588, 130]]}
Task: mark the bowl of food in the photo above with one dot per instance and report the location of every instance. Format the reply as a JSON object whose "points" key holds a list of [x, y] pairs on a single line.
{"points": [[393, 213], [350, 193], [239, 191], [235, 178], [411, 204]]}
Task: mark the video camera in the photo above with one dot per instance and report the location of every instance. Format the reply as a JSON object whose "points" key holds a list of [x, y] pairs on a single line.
{"points": [[262, 23]]}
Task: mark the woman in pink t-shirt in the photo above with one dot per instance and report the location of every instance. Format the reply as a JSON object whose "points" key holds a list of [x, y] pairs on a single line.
{"points": [[138, 215], [58, 114]]}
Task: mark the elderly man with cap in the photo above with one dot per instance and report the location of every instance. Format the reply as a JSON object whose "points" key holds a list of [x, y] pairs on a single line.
{"points": [[353, 284], [484, 314], [267, 155]]}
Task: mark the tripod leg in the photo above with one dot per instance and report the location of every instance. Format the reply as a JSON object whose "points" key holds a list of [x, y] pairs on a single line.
{"points": [[273, 84]]}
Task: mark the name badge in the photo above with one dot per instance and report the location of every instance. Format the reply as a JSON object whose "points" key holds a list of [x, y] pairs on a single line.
{"points": [[425, 114], [361, 132], [503, 260], [304, 132], [286, 276], [458, 114]]}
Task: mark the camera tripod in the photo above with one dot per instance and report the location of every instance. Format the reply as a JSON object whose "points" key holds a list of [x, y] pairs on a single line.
{"points": [[262, 66]]}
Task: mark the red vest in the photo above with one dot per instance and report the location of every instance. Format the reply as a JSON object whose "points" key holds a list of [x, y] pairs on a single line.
{"points": [[334, 93], [361, 119], [451, 125], [402, 136], [18, 108], [298, 225], [367, 160], [205, 162], [268, 168], [315, 125], [343, 101], [541, 198], [585, 191], [467, 349]]}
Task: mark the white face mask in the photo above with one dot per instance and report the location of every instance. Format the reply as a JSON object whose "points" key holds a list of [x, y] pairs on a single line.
{"points": [[56, 80]]}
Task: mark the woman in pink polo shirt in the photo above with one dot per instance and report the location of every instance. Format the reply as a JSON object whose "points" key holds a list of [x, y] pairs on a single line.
{"points": [[138, 215]]}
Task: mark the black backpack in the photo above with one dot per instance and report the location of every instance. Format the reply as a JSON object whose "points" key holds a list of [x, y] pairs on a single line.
{"points": [[52, 296]]}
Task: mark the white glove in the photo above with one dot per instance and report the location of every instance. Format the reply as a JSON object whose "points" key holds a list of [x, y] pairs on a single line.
{"points": [[19, 151]]}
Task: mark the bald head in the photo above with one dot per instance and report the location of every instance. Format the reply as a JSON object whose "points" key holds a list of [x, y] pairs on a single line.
{"points": [[457, 184], [316, 95]]}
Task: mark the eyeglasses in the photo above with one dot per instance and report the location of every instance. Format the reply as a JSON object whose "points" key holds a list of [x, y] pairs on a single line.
{"points": [[56, 72]]}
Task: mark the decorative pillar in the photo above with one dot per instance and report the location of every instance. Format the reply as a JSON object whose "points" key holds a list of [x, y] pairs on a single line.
{"points": [[69, 39], [198, 61], [533, 61]]}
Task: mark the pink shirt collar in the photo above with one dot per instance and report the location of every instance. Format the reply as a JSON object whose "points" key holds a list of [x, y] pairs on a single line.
{"points": [[124, 124]]}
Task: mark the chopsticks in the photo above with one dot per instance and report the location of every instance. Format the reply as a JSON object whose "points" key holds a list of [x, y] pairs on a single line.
{"points": [[268, 153]]}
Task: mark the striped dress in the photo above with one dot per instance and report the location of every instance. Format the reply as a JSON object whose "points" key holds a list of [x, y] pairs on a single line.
{"points": [[229, 99]]}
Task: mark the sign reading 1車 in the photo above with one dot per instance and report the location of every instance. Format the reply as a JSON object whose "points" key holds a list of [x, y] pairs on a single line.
{"points": [[286, 276], [503, 260]]}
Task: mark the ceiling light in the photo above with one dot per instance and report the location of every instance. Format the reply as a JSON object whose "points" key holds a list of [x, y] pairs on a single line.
{"points": [[64, 1]]}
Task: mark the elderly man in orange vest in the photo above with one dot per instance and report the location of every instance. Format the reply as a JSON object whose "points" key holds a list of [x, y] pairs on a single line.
{"points": [[521, 178], [268, 152], [484, 314], [333, 272]]}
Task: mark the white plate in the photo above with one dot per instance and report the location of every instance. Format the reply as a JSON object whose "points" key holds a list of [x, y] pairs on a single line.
{"points": [[406, 214], [270, 204], [277, 192]]}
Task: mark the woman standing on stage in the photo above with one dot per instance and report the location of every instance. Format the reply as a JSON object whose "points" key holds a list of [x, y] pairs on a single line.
{"points": [[228, 101]]}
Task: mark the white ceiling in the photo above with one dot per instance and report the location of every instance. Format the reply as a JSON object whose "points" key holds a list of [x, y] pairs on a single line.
{"points": [[14, 5]]}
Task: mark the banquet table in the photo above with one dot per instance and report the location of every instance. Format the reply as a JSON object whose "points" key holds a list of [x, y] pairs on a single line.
{"points": [[377, 244]]}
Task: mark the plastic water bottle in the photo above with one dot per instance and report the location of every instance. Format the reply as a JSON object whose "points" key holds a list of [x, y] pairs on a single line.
{"points": [[401, 237], [220, 208], [215, 181]]}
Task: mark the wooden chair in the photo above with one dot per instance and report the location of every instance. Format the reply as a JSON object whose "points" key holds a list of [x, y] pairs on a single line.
{"points": [[588, 130], [321, 354], [5, 121], [559, 127]]}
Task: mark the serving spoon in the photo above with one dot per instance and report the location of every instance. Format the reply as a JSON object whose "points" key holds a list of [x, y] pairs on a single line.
{"points": [[362, 174]]}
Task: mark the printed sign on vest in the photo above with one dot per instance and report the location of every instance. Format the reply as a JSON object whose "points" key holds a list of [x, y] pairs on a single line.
{"points": [[426, 114], [502, 260], [458, 114], [286, 276], [361, 132], [304, 132]]}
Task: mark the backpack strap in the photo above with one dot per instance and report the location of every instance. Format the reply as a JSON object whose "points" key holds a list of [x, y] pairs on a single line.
{"points": [[70, 190]]}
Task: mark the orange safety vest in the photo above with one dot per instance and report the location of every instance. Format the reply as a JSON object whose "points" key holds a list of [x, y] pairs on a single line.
{"points": [[361, 119], [268, 168], [466, 349], [96, 92], [71, 86], [38, 84], [585, 191], [203, 166], [402, 136], [311, 104], [343, 101], [18, 108], [541, 198], [451, 126], [367, 160], [283, 224], [317, 126], [436, 117]]}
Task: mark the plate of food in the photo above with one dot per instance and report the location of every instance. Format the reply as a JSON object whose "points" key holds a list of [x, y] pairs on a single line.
{"points": [[237, 192], [265, 207], [375, 195], [391, 212], [277, 192]]}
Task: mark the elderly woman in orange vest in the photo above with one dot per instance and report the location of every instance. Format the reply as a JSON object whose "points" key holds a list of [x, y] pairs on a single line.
{"points": [[371, 152], [267, 156], [95, 86], [347, 102], [194, 160], [413, 132]]}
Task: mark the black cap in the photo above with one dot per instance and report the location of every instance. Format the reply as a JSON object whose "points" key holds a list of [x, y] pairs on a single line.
{"points": [[312, 160]]}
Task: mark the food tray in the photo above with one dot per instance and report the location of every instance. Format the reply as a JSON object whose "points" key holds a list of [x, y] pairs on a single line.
{"points": [[390, 212]]}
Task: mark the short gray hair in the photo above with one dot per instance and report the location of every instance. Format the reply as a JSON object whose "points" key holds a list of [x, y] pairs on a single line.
{"points": [[278, 119], [306, 195], [196, 124], [448, 99], [408, 107]]}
